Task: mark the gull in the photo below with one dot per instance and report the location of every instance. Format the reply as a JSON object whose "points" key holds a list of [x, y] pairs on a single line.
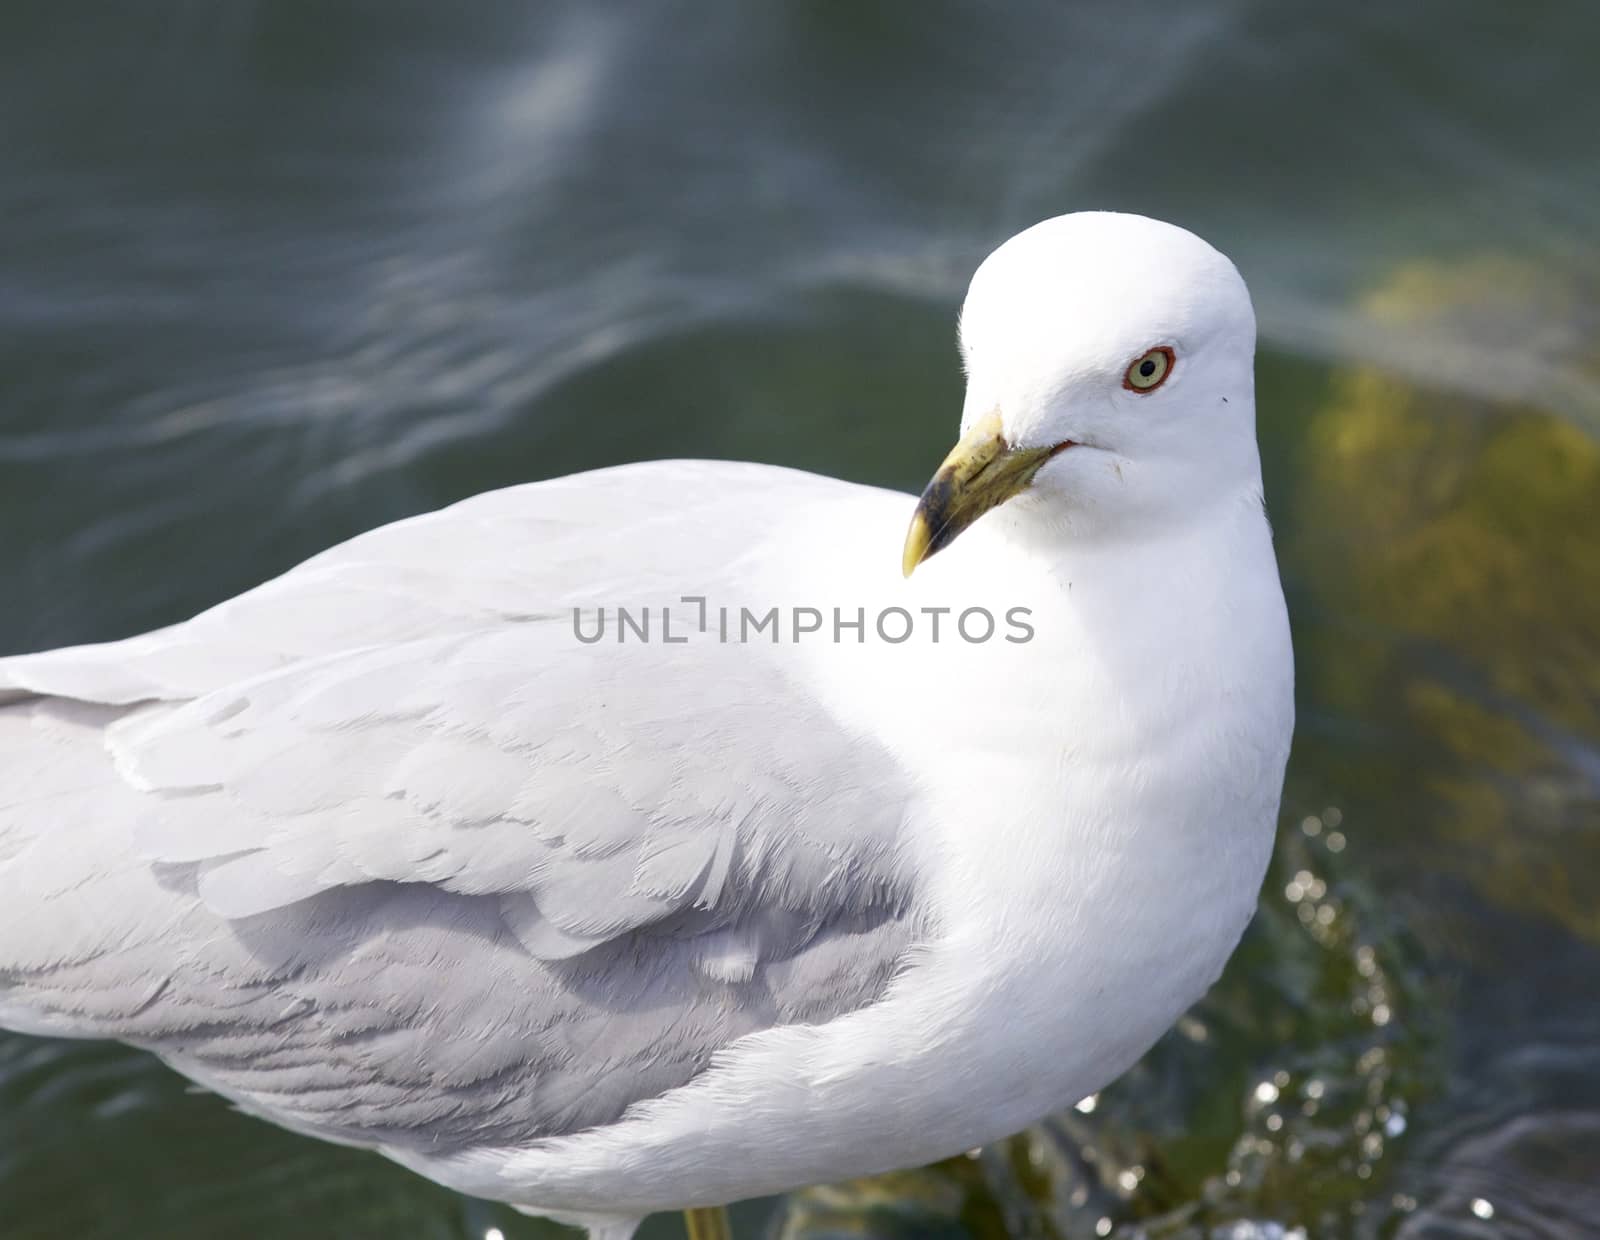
{"points": [[649, 838]]}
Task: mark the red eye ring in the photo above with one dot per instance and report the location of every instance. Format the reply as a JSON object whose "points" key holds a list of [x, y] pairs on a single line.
{"points": [[1149, 370]]}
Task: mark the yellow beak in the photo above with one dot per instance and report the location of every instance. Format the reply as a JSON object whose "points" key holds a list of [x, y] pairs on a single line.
{"points": [[981, 472]]}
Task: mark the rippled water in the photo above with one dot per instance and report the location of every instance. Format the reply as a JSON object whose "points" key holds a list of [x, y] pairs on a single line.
{"points": [[271, 274]]}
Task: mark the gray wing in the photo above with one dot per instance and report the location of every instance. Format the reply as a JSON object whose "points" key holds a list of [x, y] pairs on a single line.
{"points": [[474, 883]]}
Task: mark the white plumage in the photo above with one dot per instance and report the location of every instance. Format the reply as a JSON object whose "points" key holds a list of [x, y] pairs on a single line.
{"points": [[387, 853]]}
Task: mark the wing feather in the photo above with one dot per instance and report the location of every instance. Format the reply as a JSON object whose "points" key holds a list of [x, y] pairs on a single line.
{"points": [[382, 851]]}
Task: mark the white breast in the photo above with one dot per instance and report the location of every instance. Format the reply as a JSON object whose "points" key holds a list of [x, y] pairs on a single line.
{"points": [[1099, 854]]}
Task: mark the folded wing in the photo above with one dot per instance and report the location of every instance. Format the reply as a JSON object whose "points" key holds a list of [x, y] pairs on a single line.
{"points": [[427, 871]]}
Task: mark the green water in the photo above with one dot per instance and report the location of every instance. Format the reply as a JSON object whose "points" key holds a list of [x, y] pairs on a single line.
{"points": [[273, 273]]}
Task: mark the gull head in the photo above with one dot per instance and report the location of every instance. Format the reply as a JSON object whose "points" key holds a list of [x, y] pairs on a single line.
{"points": [[1110, 385]]}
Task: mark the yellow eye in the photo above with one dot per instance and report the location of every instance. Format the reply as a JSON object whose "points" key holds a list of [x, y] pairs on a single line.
{"points": [[1150, 371]]}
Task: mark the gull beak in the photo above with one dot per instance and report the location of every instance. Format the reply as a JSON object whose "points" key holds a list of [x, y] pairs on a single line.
{"points": [[981, 472]]}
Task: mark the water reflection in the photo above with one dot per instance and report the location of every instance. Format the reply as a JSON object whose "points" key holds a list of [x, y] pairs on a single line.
{"points": [[1449, 545]]}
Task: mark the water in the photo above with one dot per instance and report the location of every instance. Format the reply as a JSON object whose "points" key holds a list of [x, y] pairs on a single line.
{"points": [[271, 274]]}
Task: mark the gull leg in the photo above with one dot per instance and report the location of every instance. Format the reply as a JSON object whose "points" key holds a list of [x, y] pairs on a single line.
{"points": [[708, 1223]]}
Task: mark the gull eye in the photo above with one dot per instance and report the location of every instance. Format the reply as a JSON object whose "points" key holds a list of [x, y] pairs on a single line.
{"points": [[1149, 371]]}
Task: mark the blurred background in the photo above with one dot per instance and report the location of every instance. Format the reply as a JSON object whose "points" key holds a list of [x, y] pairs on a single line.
{"points": [[275, 273]]}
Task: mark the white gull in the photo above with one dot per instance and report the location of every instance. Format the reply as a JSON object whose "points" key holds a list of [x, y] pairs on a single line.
{"points": [[834, 872]]}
